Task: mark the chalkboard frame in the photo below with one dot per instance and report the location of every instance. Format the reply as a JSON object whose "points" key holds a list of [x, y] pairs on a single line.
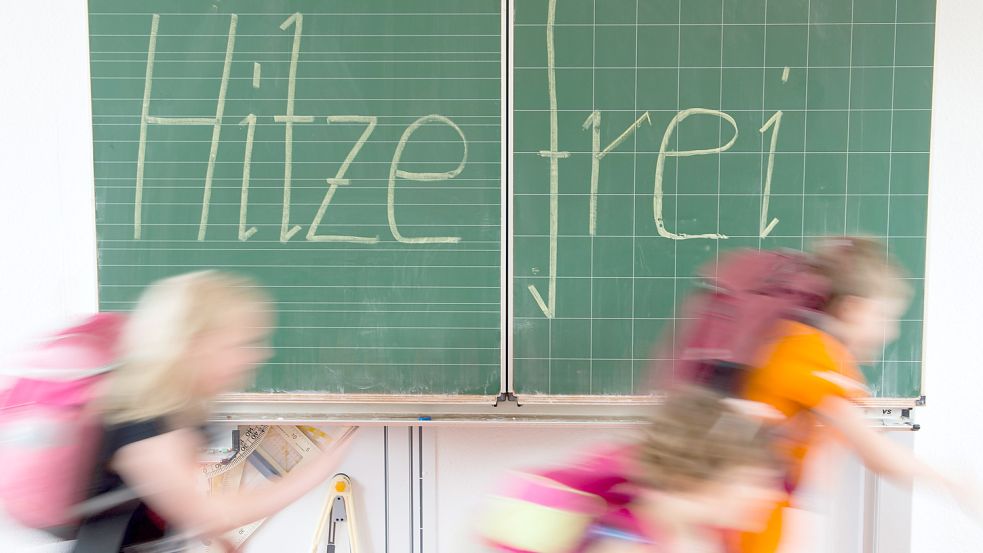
{"points": [[568, 411]]}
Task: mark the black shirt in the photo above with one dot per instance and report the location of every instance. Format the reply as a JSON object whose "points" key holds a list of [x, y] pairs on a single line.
{"points": [[133, 521]]}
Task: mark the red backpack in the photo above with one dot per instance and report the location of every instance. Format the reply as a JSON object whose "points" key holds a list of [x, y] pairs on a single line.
{"points": [[726, 325], [48, 429]]}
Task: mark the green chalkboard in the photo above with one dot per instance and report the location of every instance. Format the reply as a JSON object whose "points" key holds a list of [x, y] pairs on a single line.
{"points": [[347, 154], [812, 114]]}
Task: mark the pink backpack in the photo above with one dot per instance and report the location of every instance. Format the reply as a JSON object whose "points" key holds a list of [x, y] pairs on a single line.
{"points": [[553, 511], [727, 324], [49, 432]]}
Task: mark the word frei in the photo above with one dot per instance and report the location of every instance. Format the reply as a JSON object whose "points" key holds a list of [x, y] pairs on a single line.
{"points": [[593, 122]]}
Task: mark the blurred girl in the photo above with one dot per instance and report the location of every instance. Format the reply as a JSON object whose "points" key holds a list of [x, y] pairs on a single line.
{"points": [[810, 373], [190, 338]]}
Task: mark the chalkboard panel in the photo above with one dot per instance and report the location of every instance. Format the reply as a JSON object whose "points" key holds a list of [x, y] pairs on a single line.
{"points": [[346, 154], [652, 135]]}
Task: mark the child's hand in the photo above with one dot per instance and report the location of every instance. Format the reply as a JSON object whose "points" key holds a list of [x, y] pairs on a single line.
{"points": [[968, 493]]}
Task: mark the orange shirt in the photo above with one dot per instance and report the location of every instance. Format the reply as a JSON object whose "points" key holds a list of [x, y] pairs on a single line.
{"points": [[804, 367]]}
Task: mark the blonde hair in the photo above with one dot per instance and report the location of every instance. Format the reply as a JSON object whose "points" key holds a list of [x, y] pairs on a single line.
{"points": [[695, 437], [860, 267], [154, 378]]}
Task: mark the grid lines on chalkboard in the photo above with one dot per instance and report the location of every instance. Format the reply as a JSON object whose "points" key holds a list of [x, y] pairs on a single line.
{"points": [[362, 306], [853, 83]]}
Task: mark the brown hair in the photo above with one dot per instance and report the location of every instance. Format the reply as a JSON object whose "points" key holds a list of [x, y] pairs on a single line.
{"points": [[861, 267], [695, 437]]}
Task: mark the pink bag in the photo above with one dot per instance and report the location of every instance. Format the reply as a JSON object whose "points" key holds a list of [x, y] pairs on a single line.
{"points": [[48, 429], [552, 511], [726, 324]]}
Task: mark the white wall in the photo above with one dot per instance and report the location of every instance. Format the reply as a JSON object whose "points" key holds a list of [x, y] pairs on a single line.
{"points": [[47, 213], [46, 217], [954, 379]]}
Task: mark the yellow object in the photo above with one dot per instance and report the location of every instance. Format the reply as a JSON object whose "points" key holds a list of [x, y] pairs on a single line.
{"points": [[316, 434], [285, 447], [527, 526]]}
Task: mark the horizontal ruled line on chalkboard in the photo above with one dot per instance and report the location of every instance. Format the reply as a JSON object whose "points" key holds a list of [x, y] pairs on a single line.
{"points": [[496, 312], [306, 13], [390, 302], [688, 67], [679, 277], [709, 194], [375, 204], [862, 362], [390, 347], [596, 318], [280, 179], [761, 24], [829, 110], [258, 124], [125, 305], [811, 110], [323, 225], [386, 286], [157, 79], [388, 312], [379, 327], [278, 78], [134, 302], [317, 247], [409, 118], [393, 364], [306, 35], [280, 100], [316, 266], [321, 185], [882, 237], [295, 142], [280, 55], [255, 163], [656, 152], [304, 62]]}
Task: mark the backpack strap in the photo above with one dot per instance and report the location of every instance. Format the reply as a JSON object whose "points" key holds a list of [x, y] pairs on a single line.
{"points": [[104, 503], [105, 533]]}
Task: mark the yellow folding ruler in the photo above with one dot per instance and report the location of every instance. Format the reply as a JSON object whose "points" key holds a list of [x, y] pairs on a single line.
{"points": [[264, 452], [249, 439]]}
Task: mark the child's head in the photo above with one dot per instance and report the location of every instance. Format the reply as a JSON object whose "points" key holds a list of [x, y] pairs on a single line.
{"points": [[190, 338], [868, 293], [706, 461]]}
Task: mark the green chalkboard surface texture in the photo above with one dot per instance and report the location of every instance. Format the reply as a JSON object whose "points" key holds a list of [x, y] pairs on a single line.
{"points": [[346, 154], [650, 135]]}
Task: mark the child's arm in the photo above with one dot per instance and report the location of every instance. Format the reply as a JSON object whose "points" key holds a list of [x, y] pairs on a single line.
{"points": [[897, 463], [164, 471], [880, 454]]}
